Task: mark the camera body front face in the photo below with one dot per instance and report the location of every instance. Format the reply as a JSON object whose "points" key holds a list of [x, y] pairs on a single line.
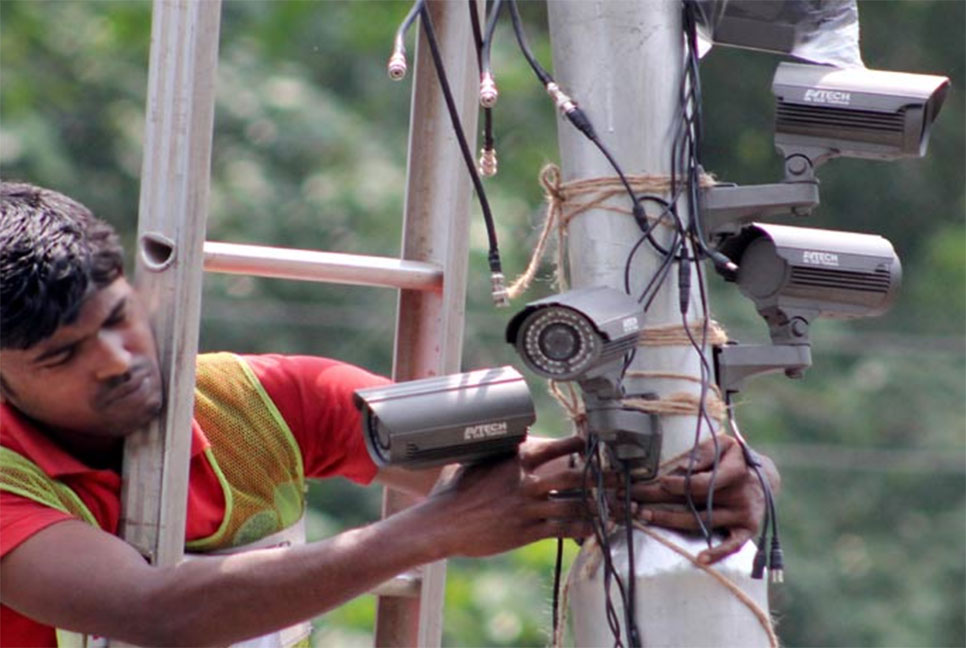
{"points": [[576, 334], [460, 418]]}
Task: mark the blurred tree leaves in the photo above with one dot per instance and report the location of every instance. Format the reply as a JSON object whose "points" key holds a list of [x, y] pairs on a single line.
{"points": [[309, 151]]}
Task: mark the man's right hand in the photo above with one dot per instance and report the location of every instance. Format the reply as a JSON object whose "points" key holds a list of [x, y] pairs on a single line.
{"points": [[495, 507]]}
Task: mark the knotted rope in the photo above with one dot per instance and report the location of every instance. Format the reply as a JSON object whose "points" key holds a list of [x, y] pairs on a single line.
{"points": [[567, 200]]}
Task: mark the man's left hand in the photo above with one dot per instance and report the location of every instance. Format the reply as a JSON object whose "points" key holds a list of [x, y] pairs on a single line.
{"points": [[738, 501]]}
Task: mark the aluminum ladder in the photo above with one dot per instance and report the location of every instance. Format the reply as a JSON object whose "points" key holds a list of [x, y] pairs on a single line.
{"points": [[172, 254]]}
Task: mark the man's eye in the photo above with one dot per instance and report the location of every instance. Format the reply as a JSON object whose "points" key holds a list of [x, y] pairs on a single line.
{"points": [[116, 319], [62, 358]]}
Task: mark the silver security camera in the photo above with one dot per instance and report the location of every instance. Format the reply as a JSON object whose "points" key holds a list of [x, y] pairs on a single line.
{"points": [[824, 112], [576, 335], [795, 274], [583, 335], [460, 418]]}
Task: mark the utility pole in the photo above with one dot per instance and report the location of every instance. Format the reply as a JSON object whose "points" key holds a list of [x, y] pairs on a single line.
{"points": [[622, 62]]}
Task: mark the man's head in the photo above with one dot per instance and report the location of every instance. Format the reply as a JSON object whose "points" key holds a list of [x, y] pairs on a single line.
{"points": [[78, 354]]}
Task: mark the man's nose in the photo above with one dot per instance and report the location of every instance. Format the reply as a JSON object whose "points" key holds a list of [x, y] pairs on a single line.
{"points": [[114, 359]]}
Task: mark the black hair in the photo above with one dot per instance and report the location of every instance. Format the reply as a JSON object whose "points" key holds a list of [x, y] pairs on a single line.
{"points": [[53, 254]]}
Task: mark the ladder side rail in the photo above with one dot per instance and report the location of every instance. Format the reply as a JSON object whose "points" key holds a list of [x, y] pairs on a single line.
{"points": [[429, 326], [171, 226]]}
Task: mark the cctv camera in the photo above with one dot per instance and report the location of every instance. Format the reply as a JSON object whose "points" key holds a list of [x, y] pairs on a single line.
{"points": [[824, 112], [583, 335], [460, 418], [795, 274], [574, 335]]}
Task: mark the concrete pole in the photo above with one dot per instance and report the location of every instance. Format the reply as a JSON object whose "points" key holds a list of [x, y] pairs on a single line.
{"points": [[622, 63]]}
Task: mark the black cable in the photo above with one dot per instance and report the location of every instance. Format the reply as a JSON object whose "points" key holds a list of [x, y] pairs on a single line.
{"points": [[693, 81], [706, 525], [488, 91], [706, 373], [488, 154], [774, 559], [557, 569], [593, 469], [576, 116], [493, 257], [657, 279], [630, 611], [538, 69], [685, 183], [705, 368], [646, 236]]}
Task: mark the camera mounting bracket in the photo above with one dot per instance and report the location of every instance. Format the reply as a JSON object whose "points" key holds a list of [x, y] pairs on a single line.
{"points": [[726, 207], [632, 437], [736, 362]]}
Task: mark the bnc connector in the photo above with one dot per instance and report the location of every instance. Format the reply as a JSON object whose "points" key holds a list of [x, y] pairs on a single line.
{"points": [[564, 103], [501, 297], [488, 91], [397, 66], [488, 164]]}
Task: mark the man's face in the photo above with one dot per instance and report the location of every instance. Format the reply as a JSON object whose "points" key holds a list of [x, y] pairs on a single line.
{"points": [[97, 377]]}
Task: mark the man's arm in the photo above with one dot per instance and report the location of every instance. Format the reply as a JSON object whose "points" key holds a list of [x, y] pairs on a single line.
{"points": [[414, 482], [79, 578]]}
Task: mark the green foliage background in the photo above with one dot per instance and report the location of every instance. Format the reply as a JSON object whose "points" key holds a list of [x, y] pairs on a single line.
{"points": [[309, 151]]}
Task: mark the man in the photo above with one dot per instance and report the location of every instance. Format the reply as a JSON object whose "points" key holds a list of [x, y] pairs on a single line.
{"points": [[79, 374]]}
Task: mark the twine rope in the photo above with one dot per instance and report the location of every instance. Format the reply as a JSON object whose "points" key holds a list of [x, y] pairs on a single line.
{"points": [[567, 200], [675, 335]]}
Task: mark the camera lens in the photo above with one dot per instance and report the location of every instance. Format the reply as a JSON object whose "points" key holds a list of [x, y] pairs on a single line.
{"points": [[559, 342]]}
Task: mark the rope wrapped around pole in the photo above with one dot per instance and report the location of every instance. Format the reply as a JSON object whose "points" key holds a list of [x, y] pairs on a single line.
{"points": [[567, 200]]}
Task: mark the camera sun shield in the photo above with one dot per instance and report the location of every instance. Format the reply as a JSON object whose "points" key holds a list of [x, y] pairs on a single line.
{"points": [[826, 112], [460, 418]]}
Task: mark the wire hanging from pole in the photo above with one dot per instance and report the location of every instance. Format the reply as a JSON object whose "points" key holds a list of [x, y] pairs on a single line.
{"points": [[488, 160], [499, 292]]}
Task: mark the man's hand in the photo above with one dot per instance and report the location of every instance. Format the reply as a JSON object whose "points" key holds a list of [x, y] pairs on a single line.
{"points": [[738, 502], [494, 507]]}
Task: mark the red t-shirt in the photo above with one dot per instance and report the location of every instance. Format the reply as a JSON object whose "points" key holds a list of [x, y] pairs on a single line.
{"points": [[314, 395]]}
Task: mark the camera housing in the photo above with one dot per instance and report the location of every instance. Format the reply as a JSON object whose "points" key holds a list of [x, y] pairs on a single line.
{"points": [[459, 418], [795, 274], [578, 334], [584, 335], [824, 112]]}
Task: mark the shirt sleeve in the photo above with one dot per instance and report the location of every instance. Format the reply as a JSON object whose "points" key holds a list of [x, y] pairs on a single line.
{"points": [[21, 517], [314, 396]]}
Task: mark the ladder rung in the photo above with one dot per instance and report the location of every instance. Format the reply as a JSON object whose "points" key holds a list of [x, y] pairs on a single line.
{"points": [[406, 585], [330, 267]]}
